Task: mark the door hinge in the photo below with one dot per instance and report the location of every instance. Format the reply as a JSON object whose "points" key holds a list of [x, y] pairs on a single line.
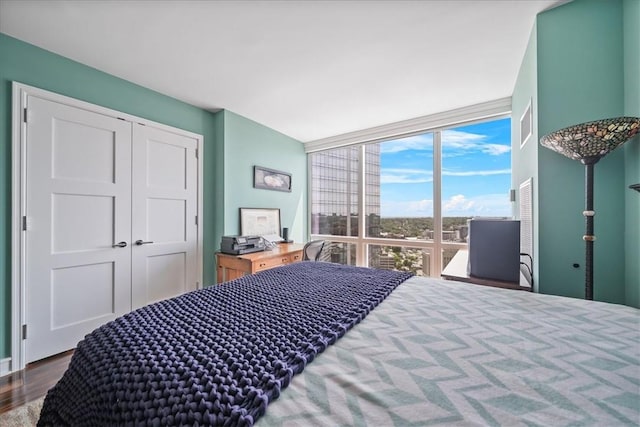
{"points": [[197, 154], [24, 332], [196, 219], [24, 223], [24, 115]]}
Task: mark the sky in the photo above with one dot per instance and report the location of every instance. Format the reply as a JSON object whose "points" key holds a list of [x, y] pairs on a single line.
{"points": [[476, 172]]}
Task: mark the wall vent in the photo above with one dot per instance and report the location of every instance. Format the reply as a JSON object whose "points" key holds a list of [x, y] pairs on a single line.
{"points": [[526, 125], [526, 218]]}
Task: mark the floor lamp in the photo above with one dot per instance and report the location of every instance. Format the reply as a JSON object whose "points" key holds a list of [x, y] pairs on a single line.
{"points": [[588, 143]]}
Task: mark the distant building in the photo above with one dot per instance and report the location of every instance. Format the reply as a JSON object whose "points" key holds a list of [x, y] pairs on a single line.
{"points": [[426, 263], [384, 261], [334, 197], [449, 236], [463, 232]]}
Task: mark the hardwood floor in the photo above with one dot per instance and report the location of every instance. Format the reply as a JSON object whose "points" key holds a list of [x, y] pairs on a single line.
{"points": [[33, 382]]}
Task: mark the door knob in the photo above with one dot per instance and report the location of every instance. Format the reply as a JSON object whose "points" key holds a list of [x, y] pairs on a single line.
{"points": [[120, 245], [140, 242]]}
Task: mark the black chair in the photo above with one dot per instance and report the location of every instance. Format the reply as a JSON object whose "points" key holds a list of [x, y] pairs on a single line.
{"points": [[312, 250]]}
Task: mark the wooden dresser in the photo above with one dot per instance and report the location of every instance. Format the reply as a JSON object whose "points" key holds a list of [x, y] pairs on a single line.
{"points": [[233, 266]]}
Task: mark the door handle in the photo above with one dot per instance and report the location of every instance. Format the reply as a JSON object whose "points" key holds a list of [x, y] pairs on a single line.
{"points": [[120, 245], [140, 242]]}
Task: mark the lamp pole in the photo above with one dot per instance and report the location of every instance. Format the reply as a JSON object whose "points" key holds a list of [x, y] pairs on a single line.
{"points": [[588, 237]]}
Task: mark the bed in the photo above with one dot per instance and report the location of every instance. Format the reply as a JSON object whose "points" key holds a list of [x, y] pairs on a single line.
{"points": [[325, 345]]}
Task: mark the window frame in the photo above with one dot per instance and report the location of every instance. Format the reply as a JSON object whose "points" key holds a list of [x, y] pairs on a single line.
{"points": [[435, 124]]}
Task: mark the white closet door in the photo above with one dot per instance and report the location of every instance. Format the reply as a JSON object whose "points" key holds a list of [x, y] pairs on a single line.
{"points": [[164, 229], [78, 204]]}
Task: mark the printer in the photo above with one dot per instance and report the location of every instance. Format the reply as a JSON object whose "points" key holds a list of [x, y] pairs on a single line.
{"points": [[238, 245]]}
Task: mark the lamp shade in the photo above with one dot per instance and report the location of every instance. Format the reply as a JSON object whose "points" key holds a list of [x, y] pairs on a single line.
{"points": [[588, 142]]}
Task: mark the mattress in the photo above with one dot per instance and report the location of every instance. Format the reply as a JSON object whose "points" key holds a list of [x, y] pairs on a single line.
{"points": [[439, 352], [413, 352], [217, 356]]}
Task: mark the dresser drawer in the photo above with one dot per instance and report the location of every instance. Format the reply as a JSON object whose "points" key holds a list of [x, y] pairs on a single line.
{"points": [[295, 256], [276, 261], [266, 263], [234, 266]]}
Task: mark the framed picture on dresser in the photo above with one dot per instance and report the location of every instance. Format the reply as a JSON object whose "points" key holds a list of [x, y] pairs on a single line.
{"points": [[259, 221]]}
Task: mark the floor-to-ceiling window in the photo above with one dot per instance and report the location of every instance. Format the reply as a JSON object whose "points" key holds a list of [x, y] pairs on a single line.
{"points": [[334, 199], [404, 206], [416, 192], [476, 178]]}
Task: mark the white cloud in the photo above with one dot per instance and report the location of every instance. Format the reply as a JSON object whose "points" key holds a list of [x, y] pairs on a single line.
{"points": [[415, 176], [495, 149], [456, 143], [481, 205], [458, 203], [494, 205], [457, 138], [417, 142], [446, 172], [405, 176], [413, 208]]}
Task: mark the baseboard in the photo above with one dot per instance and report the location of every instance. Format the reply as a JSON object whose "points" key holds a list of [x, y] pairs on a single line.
{"points": [[5, 366]]}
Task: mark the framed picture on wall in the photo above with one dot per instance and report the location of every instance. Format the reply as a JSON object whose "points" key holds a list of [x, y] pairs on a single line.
{"points": [[271, 179]]}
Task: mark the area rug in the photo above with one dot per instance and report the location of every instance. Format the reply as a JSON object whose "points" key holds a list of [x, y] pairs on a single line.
{"points": [[22, 416]]}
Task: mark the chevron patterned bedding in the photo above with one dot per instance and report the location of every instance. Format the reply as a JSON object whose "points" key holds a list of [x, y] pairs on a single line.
{"points": [[444, 353], [432, 352], [217, 356]]}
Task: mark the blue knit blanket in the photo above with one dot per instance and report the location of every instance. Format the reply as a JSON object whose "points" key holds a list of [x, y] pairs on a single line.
{"points": [[217, 356]]}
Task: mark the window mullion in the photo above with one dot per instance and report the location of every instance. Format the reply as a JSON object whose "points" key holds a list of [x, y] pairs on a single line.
{"points": [[361, 247], [436, 258]]}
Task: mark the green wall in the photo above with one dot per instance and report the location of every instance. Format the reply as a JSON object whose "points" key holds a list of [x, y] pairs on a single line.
{"points": [[231, 143], [248, 143], [631, 34], [579, 69], [580, 78], [526, 157], [217, 190]]}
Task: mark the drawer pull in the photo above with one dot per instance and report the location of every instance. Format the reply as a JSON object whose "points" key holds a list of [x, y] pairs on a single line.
{"points": [[263, 264]]}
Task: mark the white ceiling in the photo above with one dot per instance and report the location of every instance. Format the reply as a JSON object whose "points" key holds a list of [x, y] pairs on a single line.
{"points": [[308, 69]]}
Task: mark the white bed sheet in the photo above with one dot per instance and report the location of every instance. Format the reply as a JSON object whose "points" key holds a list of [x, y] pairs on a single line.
{"points": [[438, 352]]}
